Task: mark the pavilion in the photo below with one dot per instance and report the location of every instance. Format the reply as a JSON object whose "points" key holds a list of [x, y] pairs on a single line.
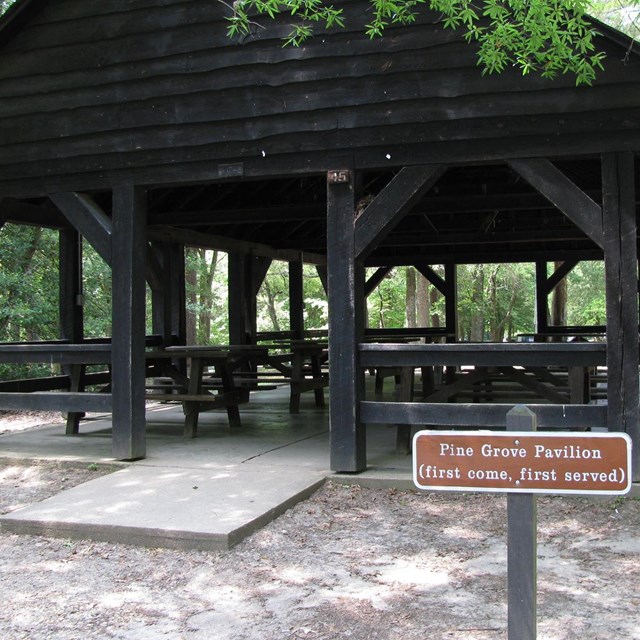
{"points": [[140, 126]]}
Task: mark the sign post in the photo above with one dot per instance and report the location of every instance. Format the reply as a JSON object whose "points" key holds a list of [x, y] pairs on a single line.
{"points": [[522, 546], [522, 463]]}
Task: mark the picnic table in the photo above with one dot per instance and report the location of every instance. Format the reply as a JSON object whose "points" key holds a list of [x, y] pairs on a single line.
{"points": [[217, 377], [237, 370], [199, 390], [300, 363], [403, 377]]}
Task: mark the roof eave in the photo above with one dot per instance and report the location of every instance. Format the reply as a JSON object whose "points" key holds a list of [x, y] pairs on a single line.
{"points": [[16, 16]]}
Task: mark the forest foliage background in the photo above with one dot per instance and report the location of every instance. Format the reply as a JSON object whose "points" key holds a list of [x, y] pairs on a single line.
{"points": [[495, 301]]}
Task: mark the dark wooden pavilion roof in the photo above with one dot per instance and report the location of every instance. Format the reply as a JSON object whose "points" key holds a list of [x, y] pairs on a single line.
{"points": [[483, 213], [233, 139]]}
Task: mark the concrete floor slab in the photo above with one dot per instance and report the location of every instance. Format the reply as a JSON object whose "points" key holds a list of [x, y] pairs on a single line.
{"points": [[169, 506], [204, 493]]}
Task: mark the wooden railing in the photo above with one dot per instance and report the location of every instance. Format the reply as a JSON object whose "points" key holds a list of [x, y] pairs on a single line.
{"points": [[521, 358]]}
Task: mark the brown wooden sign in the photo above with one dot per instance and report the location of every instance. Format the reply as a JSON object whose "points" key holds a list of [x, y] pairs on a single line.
{"points": [[523, 462]]}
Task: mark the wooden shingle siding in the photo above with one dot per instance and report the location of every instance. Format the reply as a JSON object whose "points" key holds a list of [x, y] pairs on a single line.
{"points": [[92, 90]]}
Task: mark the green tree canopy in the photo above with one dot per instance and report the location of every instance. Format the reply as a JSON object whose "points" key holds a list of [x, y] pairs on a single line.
{"points": [[548, 37]]}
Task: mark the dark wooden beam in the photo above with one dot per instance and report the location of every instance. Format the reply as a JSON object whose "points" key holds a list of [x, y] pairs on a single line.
{"points": [[346, 326], [391, 204], [560, 273], [529, 237], [128, 310], [12, 210], [154, 271], [95, 225], [58, 401], [483, 416], [260, 270], [230, 245], [322, 274], [376, 278], [621, 285], [480, 256], [428, 206], [89, 219], [490, 202], [161, 297], [563, 193], [215, 217], [433, 278], [71, 309]]}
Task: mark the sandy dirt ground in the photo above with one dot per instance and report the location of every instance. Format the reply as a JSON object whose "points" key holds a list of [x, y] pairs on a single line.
{"points": [[347, 563]]}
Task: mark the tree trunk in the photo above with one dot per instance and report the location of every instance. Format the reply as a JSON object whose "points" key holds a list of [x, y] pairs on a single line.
{"points": [[476, 333], [559, 301], [271, 306], [205, 294], [434, 294], [410, 297], [495, 326], [191, 278], [422, 301]]}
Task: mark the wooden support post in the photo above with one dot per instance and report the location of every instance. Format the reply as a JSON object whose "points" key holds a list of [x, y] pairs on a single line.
{"points": [[71, 302], [76, 376], [238, 329], [451, 299], [128, 310], [243, 270], [621, 278], [176, 281], [296, 300], [168, 302], [346, 306], [71, 309], [522, 554], [451, 312], [404, 393], [542, 300], [161, 297]]}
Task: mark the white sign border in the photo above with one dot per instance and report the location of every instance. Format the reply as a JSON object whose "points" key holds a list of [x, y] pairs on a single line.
{"points": [[523, 434]]}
